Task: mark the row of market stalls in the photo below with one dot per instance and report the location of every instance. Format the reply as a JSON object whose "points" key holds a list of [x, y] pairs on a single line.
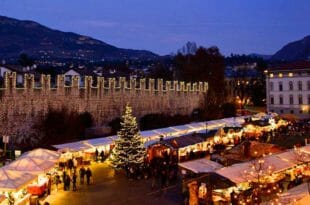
{"points": [[180, 140], [27, 176], [86, 148], [269, 170]]}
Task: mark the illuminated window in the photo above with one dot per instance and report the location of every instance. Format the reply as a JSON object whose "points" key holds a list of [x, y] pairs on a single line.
{"points": [[280, 75], [290, 74], [271, 75]]}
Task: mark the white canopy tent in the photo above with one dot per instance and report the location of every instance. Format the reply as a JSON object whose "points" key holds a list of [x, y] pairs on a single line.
{"points": [[168, 131], [149, 134], [31, 165], [201, 165], [276, 163], [103, 141], [294, 194], [44, 154], [236, 172], [12, 180], [73, 147], [184, 129]]}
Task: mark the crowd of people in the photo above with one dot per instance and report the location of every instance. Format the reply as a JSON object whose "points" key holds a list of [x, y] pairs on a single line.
{"points": [[70, 176]]}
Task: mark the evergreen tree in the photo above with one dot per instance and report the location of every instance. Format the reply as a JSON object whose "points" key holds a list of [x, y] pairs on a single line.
{"points": [[129, 150]]}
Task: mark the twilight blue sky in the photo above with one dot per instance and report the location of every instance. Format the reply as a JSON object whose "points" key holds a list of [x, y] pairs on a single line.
{"points": [[163, 26]]}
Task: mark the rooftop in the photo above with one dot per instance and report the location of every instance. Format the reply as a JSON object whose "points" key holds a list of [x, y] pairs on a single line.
{"points": [[299, 65]]}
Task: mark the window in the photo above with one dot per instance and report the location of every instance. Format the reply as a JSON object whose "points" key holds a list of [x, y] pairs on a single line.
{"points": [[281, 111], [271, 86], [280, 86], [281, 100], [291, 99], [290, 85], [309, 99], [299, 85], [271, 100], [308, 84], [292, 111], [300, 99]]}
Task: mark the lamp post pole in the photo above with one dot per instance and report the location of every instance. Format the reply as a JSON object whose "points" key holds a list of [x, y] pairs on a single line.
{"points": [[5, 140]]}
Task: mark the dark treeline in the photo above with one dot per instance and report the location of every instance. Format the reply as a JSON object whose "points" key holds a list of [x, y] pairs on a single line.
{"points": [[58, 126]]}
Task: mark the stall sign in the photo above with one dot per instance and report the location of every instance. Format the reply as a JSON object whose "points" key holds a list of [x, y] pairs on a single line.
{"points": [[17, 153], [5, 139]]}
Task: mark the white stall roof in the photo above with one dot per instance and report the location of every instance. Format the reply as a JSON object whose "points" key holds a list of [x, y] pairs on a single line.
{"points": [[305, 149], [103, 141], [148, 134], [277, 164], [236, 172], [186, 127], [32, 165], [44, 154], [201, 165], [198, 125], [165, 131], [294, 194], [294, 157], [12, 180], [73, 146]]}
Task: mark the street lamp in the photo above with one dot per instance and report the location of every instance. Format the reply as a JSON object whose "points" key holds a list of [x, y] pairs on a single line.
{"points": [[5, 140]]}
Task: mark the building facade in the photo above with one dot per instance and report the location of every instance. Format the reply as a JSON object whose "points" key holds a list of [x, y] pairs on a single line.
{"points": [[288, 89]]}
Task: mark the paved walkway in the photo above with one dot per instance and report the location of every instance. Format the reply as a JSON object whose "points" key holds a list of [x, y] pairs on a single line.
{"points": [[114, 188]]}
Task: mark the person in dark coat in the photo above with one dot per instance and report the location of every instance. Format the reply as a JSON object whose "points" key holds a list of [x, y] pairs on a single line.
{"points": [[74, 182], [88, 175], [68, 181], [101, 155], [96, 155], [82, 175], [64, 177]]}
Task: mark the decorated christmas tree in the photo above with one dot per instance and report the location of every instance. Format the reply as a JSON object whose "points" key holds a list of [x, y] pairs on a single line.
{"points": [[129, 150]]}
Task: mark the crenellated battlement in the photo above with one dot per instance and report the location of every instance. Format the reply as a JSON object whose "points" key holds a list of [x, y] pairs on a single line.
{"points": [[156, 85], [21, 106]]}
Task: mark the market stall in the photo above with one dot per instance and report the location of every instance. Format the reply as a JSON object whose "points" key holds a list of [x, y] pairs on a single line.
{"points": [[40, 167], [13, 186], [200, 166], [44, 154], [293, 195], [182, 147]]}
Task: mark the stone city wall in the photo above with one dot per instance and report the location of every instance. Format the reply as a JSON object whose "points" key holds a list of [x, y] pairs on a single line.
{"points": [[19, 107]]}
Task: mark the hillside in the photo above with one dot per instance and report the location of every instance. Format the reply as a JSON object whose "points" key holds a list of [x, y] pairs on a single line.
{"points": [[297, 50], [41, 42]]}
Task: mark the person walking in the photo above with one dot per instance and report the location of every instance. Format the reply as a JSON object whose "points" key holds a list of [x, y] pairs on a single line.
{"points": [[64, 177], [68, 181], [57, 181], [96, 155], [88, 175], [101, 155], [82, 175], [74, 181]]}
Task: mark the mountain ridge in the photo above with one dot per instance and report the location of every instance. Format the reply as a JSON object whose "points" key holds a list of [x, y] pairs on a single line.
{"points": [[294, 51], [39, 41]]}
